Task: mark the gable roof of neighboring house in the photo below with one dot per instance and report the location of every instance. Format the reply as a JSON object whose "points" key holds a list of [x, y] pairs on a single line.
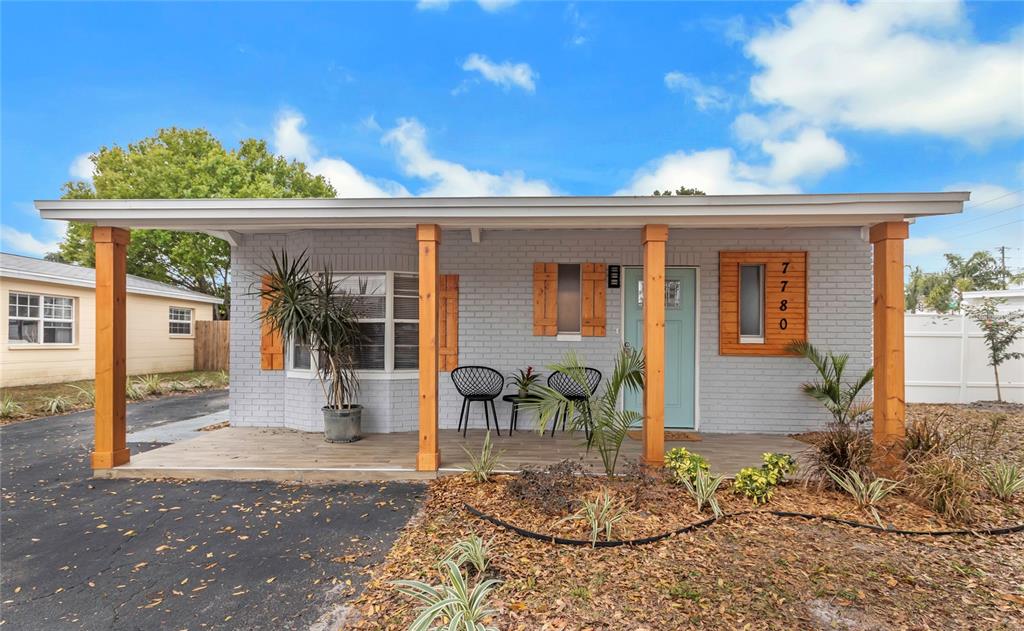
{"points": [[28, 268]]}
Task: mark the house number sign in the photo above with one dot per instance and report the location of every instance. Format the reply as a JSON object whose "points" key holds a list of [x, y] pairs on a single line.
{"points": [[785, 301]]}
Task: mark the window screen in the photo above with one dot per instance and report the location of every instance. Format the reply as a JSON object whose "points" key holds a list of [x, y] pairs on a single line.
{"points": [[569, 302], [752, 302]]}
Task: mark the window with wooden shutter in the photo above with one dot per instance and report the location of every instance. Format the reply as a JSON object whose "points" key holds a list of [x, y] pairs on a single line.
{"points": [[271, 344], [762, 302], [594, 276], [545, 299], [448, 320]]}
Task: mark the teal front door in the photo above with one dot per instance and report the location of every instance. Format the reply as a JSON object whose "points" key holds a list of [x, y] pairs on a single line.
{"points": [[680, 340]]}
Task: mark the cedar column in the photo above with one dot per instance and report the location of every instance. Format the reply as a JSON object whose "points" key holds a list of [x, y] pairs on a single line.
{"points": [[428, 458], [654, 237], [111, 248], [889, 405]]}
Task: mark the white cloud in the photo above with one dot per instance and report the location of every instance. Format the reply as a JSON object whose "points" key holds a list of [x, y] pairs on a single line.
{"points": [[923, 246], [810, 154], [506, 74], [20, 242], [714, 171], [82, 167], [293, 143], [895, 67], [450, 179], [492, 6], [432, 5], [704, 96]]}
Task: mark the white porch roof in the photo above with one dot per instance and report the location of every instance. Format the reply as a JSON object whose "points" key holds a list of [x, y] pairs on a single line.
{"points": [[223, 216]]}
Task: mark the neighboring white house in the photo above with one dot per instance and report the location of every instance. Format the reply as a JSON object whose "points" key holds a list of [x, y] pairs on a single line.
{"points": [[49, 333], [947, 360]]}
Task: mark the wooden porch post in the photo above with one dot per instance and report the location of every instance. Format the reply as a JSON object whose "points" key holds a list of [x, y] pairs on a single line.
{"points": [[889, 404], [654, 237], [428, 458], [111, 247]]}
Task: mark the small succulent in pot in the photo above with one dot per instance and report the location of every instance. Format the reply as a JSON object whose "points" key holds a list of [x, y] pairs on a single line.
{"points": [[523, 380]]}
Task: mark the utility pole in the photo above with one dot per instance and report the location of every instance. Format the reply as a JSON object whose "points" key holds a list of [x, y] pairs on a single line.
{"points": [[1002, 259]]}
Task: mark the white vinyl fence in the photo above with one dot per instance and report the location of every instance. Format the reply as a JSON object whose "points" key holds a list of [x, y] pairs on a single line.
{"points": [[947, 362]]}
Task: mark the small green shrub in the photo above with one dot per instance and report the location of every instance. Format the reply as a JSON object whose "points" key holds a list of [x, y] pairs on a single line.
{"points": [[755, 483], [179, 385], [1003, 479], [601, 515], [867, 494], [9, 408], [778, 466], [57, 404], [134, 391], [152, 384], [86, 395], [702, 489], [461, 607], [482, 466], [684, 464], [472, 550]]}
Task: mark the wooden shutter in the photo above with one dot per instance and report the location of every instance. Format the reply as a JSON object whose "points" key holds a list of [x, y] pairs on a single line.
{"points": [[545, 298], [593, 289], [785, 301], [448, 321], [271, 344]]}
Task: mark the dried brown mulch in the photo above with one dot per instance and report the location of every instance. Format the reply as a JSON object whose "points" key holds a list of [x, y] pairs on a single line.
{"points": [[755, 570]]}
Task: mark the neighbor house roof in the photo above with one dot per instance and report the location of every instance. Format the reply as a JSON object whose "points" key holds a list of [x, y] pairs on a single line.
{"points": [[224, 216], [28, 268]]}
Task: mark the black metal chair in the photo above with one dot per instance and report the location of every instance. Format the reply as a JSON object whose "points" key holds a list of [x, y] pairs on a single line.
{"points": [[573, 390], [478, 383]]}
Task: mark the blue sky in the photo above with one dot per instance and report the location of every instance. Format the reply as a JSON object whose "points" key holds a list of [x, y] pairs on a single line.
{"points": [[501, 97]]}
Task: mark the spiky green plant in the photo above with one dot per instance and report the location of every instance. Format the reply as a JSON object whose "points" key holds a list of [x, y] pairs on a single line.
{"points": [[482, 465], [86, 395], [472, 550], [702, 488], [458, 606], [1003, 479], [841, 399], [866, 493], [9, 408], [600, 515], [152, 384], [134, 390], [600, 414], [57, 404]]}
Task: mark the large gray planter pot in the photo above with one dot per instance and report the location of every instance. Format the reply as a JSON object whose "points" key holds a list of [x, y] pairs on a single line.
{"points": [[344, 425]]}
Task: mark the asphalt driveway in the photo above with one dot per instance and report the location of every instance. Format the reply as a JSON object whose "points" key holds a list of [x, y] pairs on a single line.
{"points": [[79, 553]]}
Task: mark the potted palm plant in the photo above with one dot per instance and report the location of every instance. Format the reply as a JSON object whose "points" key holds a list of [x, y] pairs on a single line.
{"points": [[304, 305]]}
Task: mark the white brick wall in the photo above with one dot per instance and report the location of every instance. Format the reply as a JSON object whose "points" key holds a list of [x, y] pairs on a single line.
{"points": [[753, 394]]}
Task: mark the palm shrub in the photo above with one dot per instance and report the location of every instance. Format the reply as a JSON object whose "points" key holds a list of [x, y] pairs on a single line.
{"points": [[600, 514], [472, 550], [841, 399], [302, 304], [9, 408], [866, 493], [458, 606], [702, 488], [1003, 479], [482, 466], [600, 415]]}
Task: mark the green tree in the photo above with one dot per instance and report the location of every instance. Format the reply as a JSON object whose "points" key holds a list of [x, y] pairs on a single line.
{"points": [[927, 289], [183, 163], [979, 271], [682, 190], [1001, 328]]}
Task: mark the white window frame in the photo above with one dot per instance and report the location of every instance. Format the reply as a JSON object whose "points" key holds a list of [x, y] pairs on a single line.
{"points": [[389, 371], [751, 339], [191, 322], [41, 321]]}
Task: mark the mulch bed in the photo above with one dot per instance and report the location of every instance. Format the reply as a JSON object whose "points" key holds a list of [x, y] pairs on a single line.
{"points": [[754, 570]]}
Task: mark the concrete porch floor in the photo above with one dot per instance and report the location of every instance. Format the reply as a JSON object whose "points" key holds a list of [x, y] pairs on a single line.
{"points": [[250, 453]]}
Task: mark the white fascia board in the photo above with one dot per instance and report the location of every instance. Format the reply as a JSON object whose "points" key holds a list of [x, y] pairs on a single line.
{"points": [[78, 282], [254, 215]]}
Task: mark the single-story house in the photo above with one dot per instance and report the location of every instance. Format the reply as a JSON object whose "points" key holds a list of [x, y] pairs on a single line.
{"points": [[713, 288], [50, 327]]}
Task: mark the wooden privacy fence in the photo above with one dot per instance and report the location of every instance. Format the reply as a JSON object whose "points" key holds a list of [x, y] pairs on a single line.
{"points": [[212, 350]]}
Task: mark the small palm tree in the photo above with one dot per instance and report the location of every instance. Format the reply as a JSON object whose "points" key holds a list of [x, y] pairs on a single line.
{"points": [[839, 398], [599, 416]]}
